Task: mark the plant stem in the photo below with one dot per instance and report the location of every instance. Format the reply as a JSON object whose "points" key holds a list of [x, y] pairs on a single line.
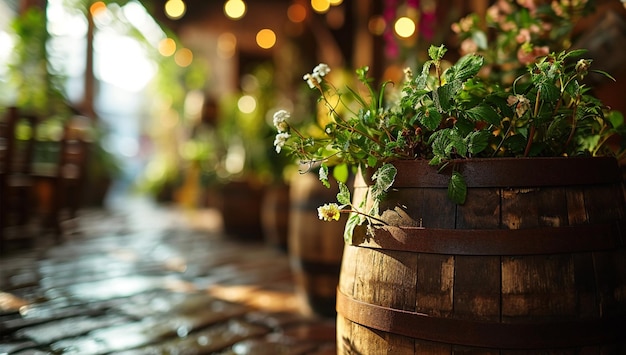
{"points": [[571, 132], [531, 134], [366, 215]]}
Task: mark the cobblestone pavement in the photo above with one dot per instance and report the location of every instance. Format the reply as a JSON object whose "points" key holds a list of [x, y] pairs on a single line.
{"points": [[153, 280]]}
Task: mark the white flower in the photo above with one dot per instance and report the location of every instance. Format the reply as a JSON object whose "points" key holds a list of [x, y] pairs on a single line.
{"points": [[321, 70], [329, 212], [280, 140], [313, 81], [280, 120], [521, 103]]}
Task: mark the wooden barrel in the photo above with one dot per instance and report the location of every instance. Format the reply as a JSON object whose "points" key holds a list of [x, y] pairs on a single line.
{"points": [[275, 215], [240, 206], [534, 262], [315, 246]]}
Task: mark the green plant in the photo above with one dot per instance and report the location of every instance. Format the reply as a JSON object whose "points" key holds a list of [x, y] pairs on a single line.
{"points": [[512, 34], [447, 114]]}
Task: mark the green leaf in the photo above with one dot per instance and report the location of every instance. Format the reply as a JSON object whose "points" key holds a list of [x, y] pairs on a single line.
{"points": [[616, 118], [431, 118], [574, 53], [446, 93], [478, 141], [456, 144], [484, 112], [358, 97], [384, 178], [437, 53], [457, 188], [549, 91], [371, 160], [353, 221], [323, 175], [467, 67], [422, 79], [436, 160], [480, 38], [609, 76], [340, 172], [438, 142], [343, 197]]}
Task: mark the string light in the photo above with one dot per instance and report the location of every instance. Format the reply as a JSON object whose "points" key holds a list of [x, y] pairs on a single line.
{"points": [[235, 9], [320, 6], [266, 38], [404, 27], [175, 9], [183, 57], [167, 47], [296, 13]]}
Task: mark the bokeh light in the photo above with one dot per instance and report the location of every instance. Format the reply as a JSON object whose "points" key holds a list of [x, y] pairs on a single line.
{"points": [[404, 27], [175, 9], [266, 38], [296, 13], [335, 18], [377, 25], [167, 47], [246, 104], [226, 45], [183, 57], [320, 6], [235, 9], [97, 8]]}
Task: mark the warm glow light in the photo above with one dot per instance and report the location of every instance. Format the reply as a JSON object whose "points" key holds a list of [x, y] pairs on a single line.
{"points": [[296, 13], [226, 45], [97, 8], [376, 25], [266, 38], [335, 18], [320, 6], [183, 57], [335, 2], [404, 27], [175, 9], [246, 104], [235, 9], [167, 47]]}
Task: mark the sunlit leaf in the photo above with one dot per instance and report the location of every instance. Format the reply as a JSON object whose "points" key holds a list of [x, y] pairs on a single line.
{"points": [[343, 197]]}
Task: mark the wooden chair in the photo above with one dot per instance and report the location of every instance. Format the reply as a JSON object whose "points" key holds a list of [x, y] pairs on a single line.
{"points": [[66, 179], [17, 144], [47, 193], [60, 184]]}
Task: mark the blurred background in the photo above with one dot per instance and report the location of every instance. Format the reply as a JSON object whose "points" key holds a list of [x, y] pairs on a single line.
{"points": [[177, 95]]}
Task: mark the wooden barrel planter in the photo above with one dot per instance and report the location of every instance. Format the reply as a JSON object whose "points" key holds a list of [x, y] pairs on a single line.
{"points": [[240, 206], [534, 262], [315, 246]]}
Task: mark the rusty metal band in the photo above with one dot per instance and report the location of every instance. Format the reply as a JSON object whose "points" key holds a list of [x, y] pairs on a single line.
{"points": [[536, 335], [509, 172], [536, 241]]}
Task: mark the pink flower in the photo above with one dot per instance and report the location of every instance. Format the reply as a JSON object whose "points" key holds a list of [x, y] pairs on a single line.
{"points": [[526, 56], [523, 36]]}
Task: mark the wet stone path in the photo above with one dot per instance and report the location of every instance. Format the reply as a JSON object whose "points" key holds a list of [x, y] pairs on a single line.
{"points": [[153, 280]]}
